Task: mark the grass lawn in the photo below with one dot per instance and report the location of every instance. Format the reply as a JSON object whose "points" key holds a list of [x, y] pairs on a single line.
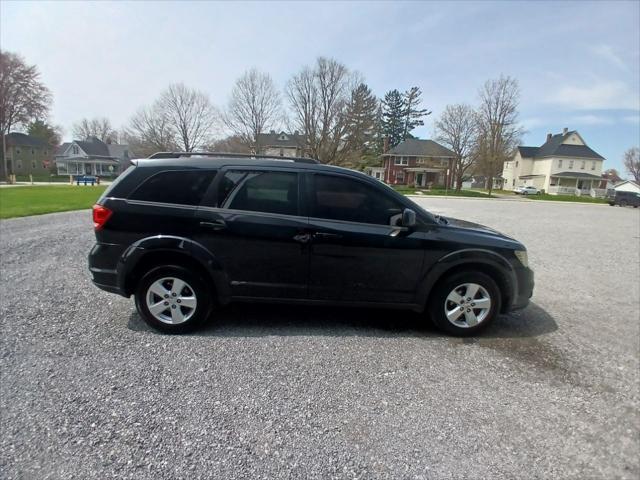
{"points": [[44, 178], [451, 193], [565, 198], [24, 201]]}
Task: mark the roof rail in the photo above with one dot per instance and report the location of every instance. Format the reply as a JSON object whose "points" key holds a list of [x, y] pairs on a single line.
{"points": [[231, 155]]}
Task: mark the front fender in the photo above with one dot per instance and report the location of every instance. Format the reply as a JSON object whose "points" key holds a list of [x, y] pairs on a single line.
{"points": [[470, 257], [137, 251]]}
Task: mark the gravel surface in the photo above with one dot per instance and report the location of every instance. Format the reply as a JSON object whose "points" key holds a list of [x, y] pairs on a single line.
{"points": [[87, 391]]}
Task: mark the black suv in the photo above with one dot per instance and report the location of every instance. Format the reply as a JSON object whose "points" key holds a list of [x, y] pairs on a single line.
{"points": [[631, 199], [186, 232]]}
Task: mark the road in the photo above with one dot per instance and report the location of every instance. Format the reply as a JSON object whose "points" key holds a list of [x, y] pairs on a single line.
{"points": [[88, 391]]}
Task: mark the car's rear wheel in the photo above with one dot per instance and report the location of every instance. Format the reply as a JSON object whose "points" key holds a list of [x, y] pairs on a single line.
{"points": [[172, 299], [465, 303], [623, 203]]}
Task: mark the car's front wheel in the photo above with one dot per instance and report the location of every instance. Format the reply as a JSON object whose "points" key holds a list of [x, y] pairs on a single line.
{"points": [[465, 303], [172, 299]]}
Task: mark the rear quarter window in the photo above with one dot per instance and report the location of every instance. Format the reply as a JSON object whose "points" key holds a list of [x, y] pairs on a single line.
{"points": [[181, 187]]}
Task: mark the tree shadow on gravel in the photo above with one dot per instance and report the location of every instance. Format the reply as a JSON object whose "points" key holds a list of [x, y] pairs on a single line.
{"points": [[251, 320]]}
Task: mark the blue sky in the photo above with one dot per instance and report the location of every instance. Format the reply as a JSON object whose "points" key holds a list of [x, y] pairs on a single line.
{"points": [[577, 62]]}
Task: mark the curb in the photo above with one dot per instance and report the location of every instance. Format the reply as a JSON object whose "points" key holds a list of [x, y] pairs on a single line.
{"points": [[503, 199]]}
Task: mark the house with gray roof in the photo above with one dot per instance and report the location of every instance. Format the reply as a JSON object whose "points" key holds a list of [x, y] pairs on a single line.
{"points": [[564, 165], [91, 157], [27, 155], [418, 163], [282, 144]]}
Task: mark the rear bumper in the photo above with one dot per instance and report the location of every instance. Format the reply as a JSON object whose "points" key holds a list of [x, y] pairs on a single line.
{"points": [[103, 265], [525, 281]]}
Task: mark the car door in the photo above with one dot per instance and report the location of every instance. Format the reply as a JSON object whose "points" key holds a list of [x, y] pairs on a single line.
{"points": [[251, 222], [358, 252]]}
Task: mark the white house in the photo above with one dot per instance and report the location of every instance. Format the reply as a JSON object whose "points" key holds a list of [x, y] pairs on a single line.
{"points": [[627, 186], [91, 157], [564, 164], [282, 144]]}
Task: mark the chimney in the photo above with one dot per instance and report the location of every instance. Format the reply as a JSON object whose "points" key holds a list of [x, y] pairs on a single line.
{"points": [[565, 130], [549, 135], [385, 144]]}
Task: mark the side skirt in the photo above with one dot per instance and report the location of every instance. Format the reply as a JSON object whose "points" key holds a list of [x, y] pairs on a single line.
{"points": [[330, 303]]}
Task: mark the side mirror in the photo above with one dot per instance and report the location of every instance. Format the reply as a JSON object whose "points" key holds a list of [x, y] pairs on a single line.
{"points": [[408, 218]]}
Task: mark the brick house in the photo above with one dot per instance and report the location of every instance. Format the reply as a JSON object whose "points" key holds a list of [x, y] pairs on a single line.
{"points": [[418, 163]]}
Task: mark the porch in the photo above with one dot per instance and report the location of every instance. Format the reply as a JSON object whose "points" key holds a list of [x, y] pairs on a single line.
{"points": [[102, 167], [576, 184], [424, 177]]}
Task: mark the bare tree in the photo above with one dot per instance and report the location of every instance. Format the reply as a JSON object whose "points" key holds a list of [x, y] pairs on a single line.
{"points": [[230, 144], [498, 129], [254, 107], [149, 132], [318, 98], [632, 162], [456, 129], [99, 127], [190, 114], [23, 97]]}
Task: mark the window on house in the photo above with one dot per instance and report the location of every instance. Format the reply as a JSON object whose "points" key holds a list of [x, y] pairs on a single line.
{"points": [[179, 187], [593, 165], [570, 164], [582, 165], [19, 164], [559, 163], [17, 151], [33, 152], [33, 164], [282, 152], [513, 182], [401, 161], [516, 163], [75, 149], [268, 192], [420, 161]]}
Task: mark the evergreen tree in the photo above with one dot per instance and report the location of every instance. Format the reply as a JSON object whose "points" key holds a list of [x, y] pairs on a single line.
{"points": [[361, 121], [44, 131], [412, 114], [393, 117]]}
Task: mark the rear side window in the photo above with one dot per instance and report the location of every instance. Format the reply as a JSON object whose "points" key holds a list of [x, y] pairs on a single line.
{"points": [[340, 198], [182, 187], [268, 192]]}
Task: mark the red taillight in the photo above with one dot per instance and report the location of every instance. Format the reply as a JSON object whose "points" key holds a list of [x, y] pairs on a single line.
{"points": [[100, 216]]}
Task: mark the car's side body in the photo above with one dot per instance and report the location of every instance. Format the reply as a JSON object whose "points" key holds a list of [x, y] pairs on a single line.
{"points": [[251, 256], [624, 199]]}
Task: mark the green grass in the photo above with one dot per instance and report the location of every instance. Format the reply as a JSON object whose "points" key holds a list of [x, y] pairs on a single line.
{"points": [[565, 198], [43, 178], [437, 191], [36, 200]]}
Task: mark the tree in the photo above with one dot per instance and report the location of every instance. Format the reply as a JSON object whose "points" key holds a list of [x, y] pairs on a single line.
{"points": [[180, 119], [254, 107], [393, 117], [23, 96], [44, 131], [149, 132], [456, 129], [99, 127], [361, 118], [230, 144], [632, 162], [412, 114], [190, 114], [318, 97], [498, 129]]}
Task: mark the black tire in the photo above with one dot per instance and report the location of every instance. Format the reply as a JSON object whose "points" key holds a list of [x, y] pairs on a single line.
{"points": [[438, 302], [195, 287]]}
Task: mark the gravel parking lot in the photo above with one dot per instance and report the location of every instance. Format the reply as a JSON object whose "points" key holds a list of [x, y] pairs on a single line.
{"points": [[88, 391]]}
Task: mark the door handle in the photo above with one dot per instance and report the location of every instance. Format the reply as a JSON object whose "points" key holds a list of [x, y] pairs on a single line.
{"points": [[302, 238], [326, 235], [216, 225]]}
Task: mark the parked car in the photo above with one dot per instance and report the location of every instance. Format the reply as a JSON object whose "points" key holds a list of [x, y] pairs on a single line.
{"points": [[631, 199], [188, 233], [526, 190]]}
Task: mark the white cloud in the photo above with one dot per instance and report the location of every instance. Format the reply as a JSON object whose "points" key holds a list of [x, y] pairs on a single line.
{"points": [[590, 120], [606, 52], [605, 95], [633, 119]]}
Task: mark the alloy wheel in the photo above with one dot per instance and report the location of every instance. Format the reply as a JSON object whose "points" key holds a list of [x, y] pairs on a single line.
{"points": [[171, 300], [467, 305]]}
